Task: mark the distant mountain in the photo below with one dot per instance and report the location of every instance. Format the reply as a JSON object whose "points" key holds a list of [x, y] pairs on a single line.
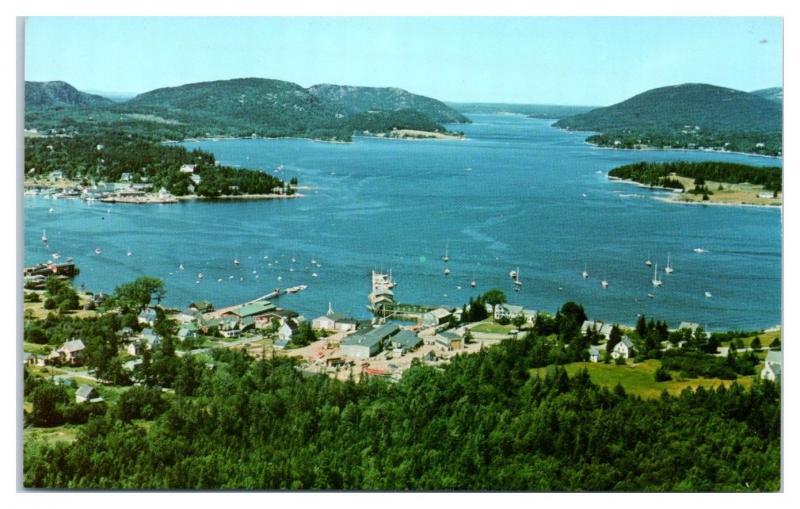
{"points": [[772, 94], [351, 100], [529, 110], [46, 94], [707, 106]]}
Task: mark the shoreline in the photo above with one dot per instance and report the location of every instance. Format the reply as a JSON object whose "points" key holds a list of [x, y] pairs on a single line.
{"points": [[676, 149], [434, 136], [674, 197]]}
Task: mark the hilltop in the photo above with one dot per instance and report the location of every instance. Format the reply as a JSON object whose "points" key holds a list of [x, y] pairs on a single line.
{"points": [[686, 116], [351, 100], [254, 107], [48, 94], [772, 94]]}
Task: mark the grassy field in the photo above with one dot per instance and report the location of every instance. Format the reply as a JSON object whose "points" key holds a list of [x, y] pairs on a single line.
{"points": [[491, 327], [37, 310], [639, 378], [67, 434], [730, 193]]}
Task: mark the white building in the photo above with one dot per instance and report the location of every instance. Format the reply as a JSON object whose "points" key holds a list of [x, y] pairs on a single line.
{"points": [[772, 366], [623, 349]]}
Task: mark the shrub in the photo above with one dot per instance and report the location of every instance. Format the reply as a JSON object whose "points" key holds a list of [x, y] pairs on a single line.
{"points": [[662, 375]]}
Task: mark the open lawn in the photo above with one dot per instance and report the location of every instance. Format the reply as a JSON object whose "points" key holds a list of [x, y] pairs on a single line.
{"points": [[491, 327], [65, 434], [639, 379], [730, 193], [37, 310]]}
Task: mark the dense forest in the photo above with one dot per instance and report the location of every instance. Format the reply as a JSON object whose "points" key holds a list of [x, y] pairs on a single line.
{"points": [[658, 174], [481, 422], [106, 158]]}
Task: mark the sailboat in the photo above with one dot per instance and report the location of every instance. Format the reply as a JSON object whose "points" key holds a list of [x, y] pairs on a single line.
{"points": [[517, 282], [97, 250], [648, 262], [472, 283], [708, 295], [130, 253], [604, 282], [656, 282], [446, 271], [668, 269], [585, 274], [44, 236], [236, 261], [446, 258], [180, 267]]}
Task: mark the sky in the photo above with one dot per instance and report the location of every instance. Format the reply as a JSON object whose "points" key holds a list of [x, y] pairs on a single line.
{"points": [[579, 61]]}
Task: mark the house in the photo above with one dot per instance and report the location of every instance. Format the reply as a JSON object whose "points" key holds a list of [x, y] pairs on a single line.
{"points": [[248, 322], [148, 337], [187, 331], [260, 311], [147, 317], [287, 329], [530, 315], [436, 317], [126, 177], [86, 393], [765, 195], [623, 349], [688, 325], [772, 366], [71, 352], [334, 322], [203, 306], [196, 179], [508, 311], [588, 325], [187, 168], [405, 341], [56, 175], [368, 343], [125, 332], [595, 354], [605, 330], [449, 340], [229, 326]]}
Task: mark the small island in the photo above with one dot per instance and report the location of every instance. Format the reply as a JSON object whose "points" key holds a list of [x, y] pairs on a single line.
{"points": [[710, 183]]}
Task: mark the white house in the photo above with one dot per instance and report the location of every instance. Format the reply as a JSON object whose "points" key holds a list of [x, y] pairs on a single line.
{"points": [[187, 168], [147, 317], [595, 354], [286, 330], [333, 322], [436, 317], [623, 349], [506, 311], [772, 366]]}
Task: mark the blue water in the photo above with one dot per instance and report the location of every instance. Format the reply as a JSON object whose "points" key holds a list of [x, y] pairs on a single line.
{"points": [[508, 196]]}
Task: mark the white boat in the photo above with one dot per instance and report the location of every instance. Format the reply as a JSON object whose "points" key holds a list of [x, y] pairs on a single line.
{"points": [[180, 267], [446, 257], [473, 283], [604, 283], [446, 271], [51, 210], [97, 250], [651, 296], [708, 295], [130, 253], [647, 261], [313, 274], [280, 277], [295, 289], [512, 274], [44, 236], [230, 277], [219, 280], [669, 269], [56, 256], [656, 282], [236, 261], [517, 282], [199, 275], [699, 250], [585, 273]]}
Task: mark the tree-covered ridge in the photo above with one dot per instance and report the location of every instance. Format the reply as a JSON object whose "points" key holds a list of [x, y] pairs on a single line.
{"points": [[658, 174], [106, 158], [687, 116], [243, 108], [480, 423], [50, 94], [772, 94], [351, 100]]}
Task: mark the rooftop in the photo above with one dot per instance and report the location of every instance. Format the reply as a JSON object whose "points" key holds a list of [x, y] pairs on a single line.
{"points": [[256, 308]]}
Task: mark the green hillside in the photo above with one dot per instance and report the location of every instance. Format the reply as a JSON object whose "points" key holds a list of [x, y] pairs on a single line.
{"points": [[687, 116], [49, 94], [353, 100], [249, 107]]}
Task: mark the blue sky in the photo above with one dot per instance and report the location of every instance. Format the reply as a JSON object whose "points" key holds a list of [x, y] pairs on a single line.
{"points": [[589, 61]]}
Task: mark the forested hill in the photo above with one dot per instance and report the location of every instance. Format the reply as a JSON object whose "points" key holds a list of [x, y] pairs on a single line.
{"points": [[772, 94], [351, 100], [707, 106], [45, 94], [251, 107], [687, 116]]}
